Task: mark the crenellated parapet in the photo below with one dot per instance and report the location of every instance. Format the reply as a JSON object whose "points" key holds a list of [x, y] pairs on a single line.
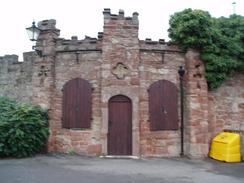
{"points": [[73, 44], [8, 61], [48, 25], [119, 26], [16, 77], [46, 41], [9, 58], [50, 43], [114, 18], [158, 46]]}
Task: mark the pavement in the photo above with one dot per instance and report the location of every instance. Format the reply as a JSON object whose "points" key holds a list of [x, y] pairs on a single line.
{"points": [[59, 168]]}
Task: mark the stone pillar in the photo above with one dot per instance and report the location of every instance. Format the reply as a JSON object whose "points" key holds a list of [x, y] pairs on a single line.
{"points": [[119, 69], [43, 79], [196, 122]]}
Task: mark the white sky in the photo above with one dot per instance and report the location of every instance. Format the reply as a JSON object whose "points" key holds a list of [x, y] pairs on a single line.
{"points": [[84, 17]]}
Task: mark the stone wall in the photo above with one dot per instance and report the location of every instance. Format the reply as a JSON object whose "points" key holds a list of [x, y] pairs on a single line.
{"points": [[196, 107], [158, 61], [70, 65], [118, 63], [98, 60], [63, 60], [16, 77], [227, 108]]}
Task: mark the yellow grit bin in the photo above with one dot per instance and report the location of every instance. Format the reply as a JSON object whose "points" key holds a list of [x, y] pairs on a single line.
{"points": [[226, 147]]}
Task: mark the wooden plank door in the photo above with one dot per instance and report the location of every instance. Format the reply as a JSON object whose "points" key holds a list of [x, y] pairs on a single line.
{"points": [[120, 126], [163, 106], [77, 104]]}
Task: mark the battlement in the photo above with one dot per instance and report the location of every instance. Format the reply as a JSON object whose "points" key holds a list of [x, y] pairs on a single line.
{"points": [[14, 59], [149, 45], [130, 20], [9, 58], [73, 44], [47, 25]]}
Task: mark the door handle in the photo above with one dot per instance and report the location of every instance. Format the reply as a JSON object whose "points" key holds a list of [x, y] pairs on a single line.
{"points": [[164, 111]]}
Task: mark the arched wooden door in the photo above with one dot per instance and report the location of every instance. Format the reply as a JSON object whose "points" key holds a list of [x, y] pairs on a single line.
{"points": [[77, 104], [120, 126], [163, 106]]}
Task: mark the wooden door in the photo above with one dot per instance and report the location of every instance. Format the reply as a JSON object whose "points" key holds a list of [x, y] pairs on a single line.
{"points": [[77, 104], [120, 126], [163, 108]]}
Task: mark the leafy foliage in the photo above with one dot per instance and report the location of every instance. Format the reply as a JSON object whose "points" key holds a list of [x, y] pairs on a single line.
{"points": [[189, 29], [23, 128], [220, 41]]}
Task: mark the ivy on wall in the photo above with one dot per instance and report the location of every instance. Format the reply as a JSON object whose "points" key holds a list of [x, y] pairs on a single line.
{"points": [[219, 40]]}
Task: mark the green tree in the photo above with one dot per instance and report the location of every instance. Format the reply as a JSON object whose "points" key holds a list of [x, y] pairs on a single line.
{"points": [[219, 40], [189, 29]]}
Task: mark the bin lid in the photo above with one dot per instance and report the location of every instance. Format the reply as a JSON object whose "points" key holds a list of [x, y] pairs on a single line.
{"points": [[227, 137]]}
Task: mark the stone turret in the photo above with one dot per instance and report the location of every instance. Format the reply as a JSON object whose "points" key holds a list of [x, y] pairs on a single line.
{"points": [[120, 63], [47, 25], [119, 25], [49, 34]]}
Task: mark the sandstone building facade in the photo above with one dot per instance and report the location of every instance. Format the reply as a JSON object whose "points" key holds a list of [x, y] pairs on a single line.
{"points": [[118, 95]]}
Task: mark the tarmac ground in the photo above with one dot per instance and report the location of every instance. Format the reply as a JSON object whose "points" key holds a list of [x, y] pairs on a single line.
{"points": [[59, 168]]}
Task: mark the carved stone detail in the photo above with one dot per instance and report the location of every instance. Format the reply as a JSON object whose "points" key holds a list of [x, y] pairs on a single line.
{"points": [[43, 71], [120, 71]]}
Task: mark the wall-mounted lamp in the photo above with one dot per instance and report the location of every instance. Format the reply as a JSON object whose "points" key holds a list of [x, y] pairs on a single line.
{"points": [[33, 33]]}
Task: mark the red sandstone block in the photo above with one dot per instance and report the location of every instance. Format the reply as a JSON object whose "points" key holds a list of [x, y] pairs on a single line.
{"points": [[65, 132], [202, 130], [75, 143], [80, 133], [134, 81], [144, 97], [196, 113], [54, 132], [161, 151], [159, 134], [76, 138], [96, 112], [201, 138], [143, 149], [95, 149], [104, 105], [51, 148]]}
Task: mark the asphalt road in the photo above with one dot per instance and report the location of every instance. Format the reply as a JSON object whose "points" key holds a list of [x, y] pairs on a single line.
{"points": [[77, 169]]}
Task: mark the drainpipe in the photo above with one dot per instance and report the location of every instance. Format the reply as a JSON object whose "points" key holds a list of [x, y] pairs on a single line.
{"points": [[181, 73]]}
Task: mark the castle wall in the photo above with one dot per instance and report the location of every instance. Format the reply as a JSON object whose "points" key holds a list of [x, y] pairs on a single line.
{"points": [[69, 65], [158, 61], [227, 108], [16, 77], [118, 63], [196, 107]]}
